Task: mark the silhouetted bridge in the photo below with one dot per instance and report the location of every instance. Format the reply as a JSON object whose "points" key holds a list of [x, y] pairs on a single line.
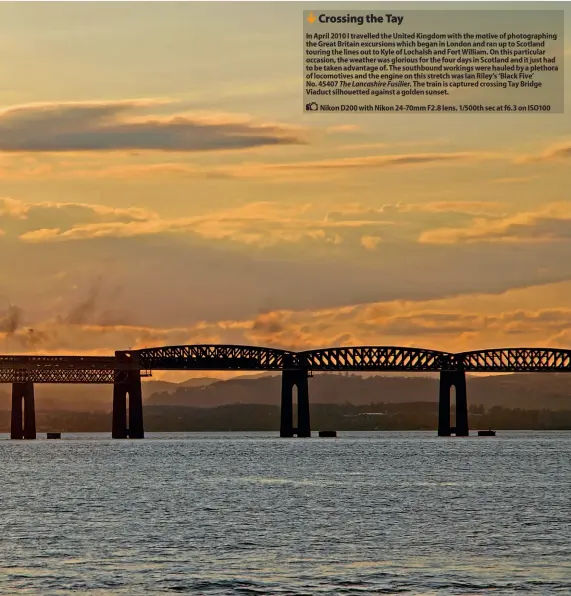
{"points": [[125, 369]]}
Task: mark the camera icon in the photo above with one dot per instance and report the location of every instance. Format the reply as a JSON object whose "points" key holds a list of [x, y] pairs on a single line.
{"points": [[311, 107]]}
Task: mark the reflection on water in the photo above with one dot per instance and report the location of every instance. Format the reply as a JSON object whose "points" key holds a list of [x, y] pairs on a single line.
{"points": [[368, 513]]}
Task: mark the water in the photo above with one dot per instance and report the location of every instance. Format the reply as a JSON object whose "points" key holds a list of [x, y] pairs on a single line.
{"points": [[367, 513]]}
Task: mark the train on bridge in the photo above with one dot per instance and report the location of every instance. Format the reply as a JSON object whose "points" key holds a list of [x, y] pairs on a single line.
{"points": [[125, 369]]}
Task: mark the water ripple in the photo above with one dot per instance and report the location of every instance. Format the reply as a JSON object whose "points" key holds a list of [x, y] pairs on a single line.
{"points": [[209, 514]]}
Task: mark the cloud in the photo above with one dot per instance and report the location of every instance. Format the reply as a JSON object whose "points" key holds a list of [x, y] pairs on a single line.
{"points": [[17, 209], [512, 180], [547, 224], [558, 152], [377, 161], [260, 224], [357, 212], [136, 171], [431, 325], [274, 172], [113, 126], [257, 224], [370, 242], [282, 171], [342, 128], [175, 271], [464, 207], [13, 208], [37, 219], [265, 224]]}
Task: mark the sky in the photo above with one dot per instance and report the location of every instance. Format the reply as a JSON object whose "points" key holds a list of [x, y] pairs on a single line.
{"points": [[160, 184]]}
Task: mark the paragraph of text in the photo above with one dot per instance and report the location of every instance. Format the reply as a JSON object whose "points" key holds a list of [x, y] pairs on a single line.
{"points": [[434, 61]]}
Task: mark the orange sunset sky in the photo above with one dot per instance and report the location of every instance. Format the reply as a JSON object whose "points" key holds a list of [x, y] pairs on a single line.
{"points": [[160, 184]]}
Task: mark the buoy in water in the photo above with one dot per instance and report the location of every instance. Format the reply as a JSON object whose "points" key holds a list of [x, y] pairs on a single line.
{"points": [[487, 433], [327, 433]]}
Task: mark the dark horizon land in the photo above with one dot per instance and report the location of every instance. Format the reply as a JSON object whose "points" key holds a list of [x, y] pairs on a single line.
{"points": [[340, 401]]}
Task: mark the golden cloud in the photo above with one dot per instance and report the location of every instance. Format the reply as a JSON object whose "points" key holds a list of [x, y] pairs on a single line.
{"points": [[549, 223], [282, 171], [427, 325], [259, 223], [557, 152], [18, 209], [371, 242], [277, 171], [116, 126], [383, 213]]}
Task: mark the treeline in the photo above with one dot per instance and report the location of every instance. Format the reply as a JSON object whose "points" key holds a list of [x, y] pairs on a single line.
{"points": [[260, 417], [518, 419]]}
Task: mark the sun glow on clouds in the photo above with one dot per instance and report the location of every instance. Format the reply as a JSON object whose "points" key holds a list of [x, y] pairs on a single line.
{"points": [[254, 223], [371, 242], [96, 164], [549, 223], [127, 141], [266, 223], [283, 172], [436, 324], [268, 227]]}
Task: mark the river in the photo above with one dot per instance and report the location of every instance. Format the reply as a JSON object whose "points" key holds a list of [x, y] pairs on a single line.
{"points": [[217, 514]]}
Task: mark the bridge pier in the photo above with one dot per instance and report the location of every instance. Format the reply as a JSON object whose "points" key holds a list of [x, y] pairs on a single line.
{"points": [[290, 379], [23, 424], [130, 411], [456, 379]]}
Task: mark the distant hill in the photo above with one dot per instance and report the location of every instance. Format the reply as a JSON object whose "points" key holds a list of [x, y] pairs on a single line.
{"points": [[551, 391], [91, 398], [150, 387], [528, 391], [262, 390], [198, 382]]}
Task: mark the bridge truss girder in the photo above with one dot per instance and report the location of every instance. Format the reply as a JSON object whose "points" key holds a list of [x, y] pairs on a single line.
{"points": [[512, 360], [216, 357], [115, 369], [376, 358], [65, 369]]}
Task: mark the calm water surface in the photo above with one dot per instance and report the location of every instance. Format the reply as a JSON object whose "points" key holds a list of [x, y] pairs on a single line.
{"points": [[367, 513]]}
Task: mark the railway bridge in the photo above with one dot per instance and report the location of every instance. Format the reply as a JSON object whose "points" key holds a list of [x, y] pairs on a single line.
{"points": [[125, 369]]}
